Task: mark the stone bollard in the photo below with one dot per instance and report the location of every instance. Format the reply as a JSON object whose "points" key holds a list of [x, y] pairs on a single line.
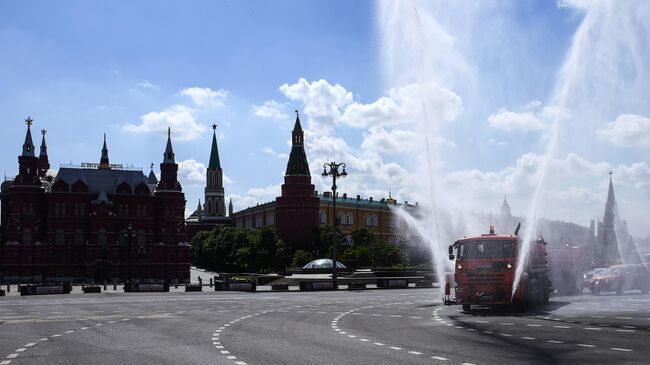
{"points": [[104, 285], [175, 283], [211, 282], [114, 285], [8, 288], [200, 281]]}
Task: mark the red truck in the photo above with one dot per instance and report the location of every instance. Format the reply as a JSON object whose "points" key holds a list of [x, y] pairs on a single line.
{"points": [[485, 271]]}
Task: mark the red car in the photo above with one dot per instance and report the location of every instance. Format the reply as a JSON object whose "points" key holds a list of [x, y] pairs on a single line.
{"points": [[620, 278]]}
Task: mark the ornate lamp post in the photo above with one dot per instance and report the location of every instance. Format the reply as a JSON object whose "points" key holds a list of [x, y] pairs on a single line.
{"points": [[334, 172], [141, 252]]}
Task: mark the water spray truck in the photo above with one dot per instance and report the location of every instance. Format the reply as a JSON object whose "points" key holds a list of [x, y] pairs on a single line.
{"points": [[484, 272]]}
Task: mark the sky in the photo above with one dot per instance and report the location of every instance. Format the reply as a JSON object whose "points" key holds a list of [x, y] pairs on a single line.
{"points": [[496, 77]]}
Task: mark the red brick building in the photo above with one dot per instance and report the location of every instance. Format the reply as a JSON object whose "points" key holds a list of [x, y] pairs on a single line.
{"points": [[97, 222]]}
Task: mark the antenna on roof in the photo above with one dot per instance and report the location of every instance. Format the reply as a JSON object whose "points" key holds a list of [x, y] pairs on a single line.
{"points": [[517, 229]]}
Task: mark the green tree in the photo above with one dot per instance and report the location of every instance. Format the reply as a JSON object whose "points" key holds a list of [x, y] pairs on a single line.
{"points": [[301, 257]]}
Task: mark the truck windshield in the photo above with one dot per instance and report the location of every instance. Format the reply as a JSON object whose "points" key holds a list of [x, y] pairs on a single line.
{"points": [[486, 249]]}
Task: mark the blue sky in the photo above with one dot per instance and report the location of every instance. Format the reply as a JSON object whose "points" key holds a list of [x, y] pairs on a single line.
{"points": [[129, 69]]}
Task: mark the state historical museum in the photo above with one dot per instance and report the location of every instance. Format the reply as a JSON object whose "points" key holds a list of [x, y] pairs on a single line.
{"points": [[96, 222]]}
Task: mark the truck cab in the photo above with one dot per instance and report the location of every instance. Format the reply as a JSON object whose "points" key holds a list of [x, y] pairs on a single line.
{"points": [[484, 271]]}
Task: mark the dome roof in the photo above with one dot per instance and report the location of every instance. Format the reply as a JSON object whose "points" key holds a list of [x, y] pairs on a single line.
{"points": [[323, 264]]}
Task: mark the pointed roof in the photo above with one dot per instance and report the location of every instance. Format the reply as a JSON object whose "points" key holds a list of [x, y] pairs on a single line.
{"points": [[152, 179], [43, 144], [28, 146], [610, 205], [297, 127], [169, 150], [230, 203], [505, 202], [103, 162], [297, 165], [214, 152]]}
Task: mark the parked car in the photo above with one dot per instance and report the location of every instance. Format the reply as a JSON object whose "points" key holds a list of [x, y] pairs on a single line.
{"points": [[591, 273], [620, 278]]}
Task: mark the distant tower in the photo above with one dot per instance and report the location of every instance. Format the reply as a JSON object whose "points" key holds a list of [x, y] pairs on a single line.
{"points": [[214, 195], [103, 162], [27, 161], [199, 211], [607, 254], [505, 208], [43, 161], [296, 211], [230, 208], [170, 205]]}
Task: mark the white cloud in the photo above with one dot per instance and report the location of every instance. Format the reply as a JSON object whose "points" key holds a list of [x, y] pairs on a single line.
{"points": [[147, 85], [513, 121], [271, 109], [270, 151], [628, 130], [206, 97], [180, 118], [192, 172]]}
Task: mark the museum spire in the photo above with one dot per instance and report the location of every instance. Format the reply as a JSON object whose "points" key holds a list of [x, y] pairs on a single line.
{"points": [[297, 164], [103, 162], [28, 146]]}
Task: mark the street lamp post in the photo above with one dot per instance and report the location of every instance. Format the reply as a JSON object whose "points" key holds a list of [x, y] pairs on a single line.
{"points": [[334, 172], [141, 252]]}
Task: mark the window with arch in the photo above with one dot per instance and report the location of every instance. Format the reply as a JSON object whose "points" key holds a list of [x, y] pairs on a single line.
{"points": [[366, 220], [102, 236], [59, 237], [323, 217], [122, 239], [79, 237], [342, 220], [374, 221], [349, 219], [27, 236]]}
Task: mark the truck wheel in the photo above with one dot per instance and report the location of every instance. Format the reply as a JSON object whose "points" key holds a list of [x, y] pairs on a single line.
{"points": [[467, 308]]}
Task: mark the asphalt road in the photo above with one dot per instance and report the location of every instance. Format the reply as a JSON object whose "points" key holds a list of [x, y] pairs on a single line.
{"points": [[343, 327]]}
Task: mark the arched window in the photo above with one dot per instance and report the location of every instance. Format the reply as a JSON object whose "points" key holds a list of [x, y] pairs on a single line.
{"points": [[102, 236], [323, 217], [350, 221], [142, 237], [27, 236], [123, 237], [79, 237], [342, 219], [60, 237], [374, 221], [366, 220]]}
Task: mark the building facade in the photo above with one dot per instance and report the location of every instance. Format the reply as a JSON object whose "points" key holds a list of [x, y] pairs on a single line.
{"points": [[97, 222]]}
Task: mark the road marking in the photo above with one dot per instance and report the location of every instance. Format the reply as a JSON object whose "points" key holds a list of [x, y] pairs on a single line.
{"points": [[378, 344], [352, 336], [625, 331], [555, 341], [619, 349], [12, 356], [364, 339], [505, 334], [224, 352], [5, 362], [586, 345], [415, 353], [591, 328], [439, 358], [507, 324], [479, 321], [528, 338], [533, 325], [57, 335], [561, 327]]}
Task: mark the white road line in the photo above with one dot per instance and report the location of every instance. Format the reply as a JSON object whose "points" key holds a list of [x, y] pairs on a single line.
{"points": [[625, 331], [12, 356], [533, 325], [231, 357], [528, 338], [561, 327], [378, 344], [466, 363], [586, 345], [505, 334], [478, 321], [5, 362], [395, 348], [415, 353], [591, 328], [619, 349], [224, 352], [364, 339], [507, 324], [555, 341], [439, 358]]}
